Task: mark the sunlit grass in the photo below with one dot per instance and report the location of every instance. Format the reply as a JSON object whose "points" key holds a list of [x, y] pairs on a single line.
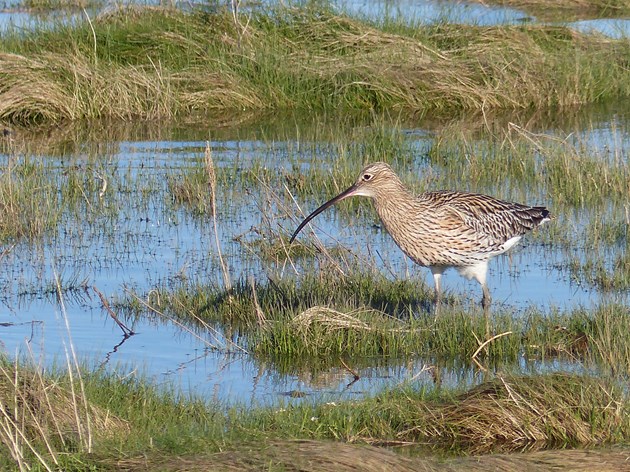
{"points": [[163, 63], [28, 202], [339, 308]]}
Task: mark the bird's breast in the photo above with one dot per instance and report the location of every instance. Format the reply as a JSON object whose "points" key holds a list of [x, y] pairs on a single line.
{"points": [[430, 238]]}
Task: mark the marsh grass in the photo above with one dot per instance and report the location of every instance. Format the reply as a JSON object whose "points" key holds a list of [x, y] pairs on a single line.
{"points": [[28, 201], [43, 416], [605, 272], [38, 195], [132, 416], [336, 308], [510, 414], [191, 191], [569, 174], [54, 5], [585, 188], [506, 413], [313, 322], [159, 63]]}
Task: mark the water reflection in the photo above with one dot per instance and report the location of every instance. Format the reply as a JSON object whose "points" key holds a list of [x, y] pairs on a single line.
{"points": [[479, 14], [435, 11]]}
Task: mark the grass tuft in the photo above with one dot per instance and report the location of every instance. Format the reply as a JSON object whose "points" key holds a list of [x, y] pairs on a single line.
{"points": [[40, 417], [517, 413]]}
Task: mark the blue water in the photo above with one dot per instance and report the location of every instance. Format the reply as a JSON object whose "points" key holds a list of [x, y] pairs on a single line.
{"points": [[147, 242], [471, 13], [432, 11]]}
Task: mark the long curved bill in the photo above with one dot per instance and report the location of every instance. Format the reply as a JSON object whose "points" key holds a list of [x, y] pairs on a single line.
{"points": [[345, 194]]}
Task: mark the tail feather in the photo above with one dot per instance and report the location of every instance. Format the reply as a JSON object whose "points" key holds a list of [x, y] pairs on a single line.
{"points": [[543, 215]]}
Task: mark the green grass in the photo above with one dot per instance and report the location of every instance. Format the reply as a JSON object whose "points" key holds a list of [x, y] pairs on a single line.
{"points": [[160, 63], [606, 273], [315, 321], [56, 5], [515, 161], [28, 202], [128, 418]]}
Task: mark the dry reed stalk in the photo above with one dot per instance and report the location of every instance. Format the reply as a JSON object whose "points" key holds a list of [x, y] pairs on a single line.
{"points": [[212, 182], [13, 432], [36, 415], [260, 314], [184, 327], [482, 345], [84, 430]]}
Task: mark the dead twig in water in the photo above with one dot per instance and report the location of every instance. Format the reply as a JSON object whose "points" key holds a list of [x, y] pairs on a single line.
{"points": [[181, 325], [354, 373], [126, 331]]}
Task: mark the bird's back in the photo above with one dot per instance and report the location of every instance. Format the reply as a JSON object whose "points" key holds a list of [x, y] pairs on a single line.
{"points": [[497, 219], [446, 228]]}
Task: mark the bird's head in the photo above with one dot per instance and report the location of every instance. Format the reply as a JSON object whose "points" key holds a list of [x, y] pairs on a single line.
{"points": [[375, 181]]}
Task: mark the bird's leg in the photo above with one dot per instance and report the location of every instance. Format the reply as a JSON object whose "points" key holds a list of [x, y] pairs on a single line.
{"points": [[485, 303], [486, 300], [438, 302], [438, 292]]}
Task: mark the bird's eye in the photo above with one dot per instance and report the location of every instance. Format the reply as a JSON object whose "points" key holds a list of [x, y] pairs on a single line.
{"points": [[367, 177]]}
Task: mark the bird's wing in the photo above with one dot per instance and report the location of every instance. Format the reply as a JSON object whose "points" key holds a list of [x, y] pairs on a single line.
{"points": [[490, 217]]}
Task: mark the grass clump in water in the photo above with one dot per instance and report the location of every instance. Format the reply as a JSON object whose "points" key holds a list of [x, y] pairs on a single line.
{"points": [[320, 320], [158, 63]]}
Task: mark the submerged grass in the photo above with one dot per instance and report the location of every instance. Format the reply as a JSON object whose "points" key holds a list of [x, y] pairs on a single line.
{"points": [[156, 63], [28, 201], [569, 173], [585, 186]]}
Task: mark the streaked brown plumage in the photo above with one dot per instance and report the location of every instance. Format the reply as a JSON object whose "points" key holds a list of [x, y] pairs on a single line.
{"points": [[442, 229]]}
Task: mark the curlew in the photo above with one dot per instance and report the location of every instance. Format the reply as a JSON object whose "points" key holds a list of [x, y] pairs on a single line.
{"points": [[442, 229]]}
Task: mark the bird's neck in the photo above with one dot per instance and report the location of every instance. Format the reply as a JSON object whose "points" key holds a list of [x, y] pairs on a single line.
{"points": [[395, 203]]}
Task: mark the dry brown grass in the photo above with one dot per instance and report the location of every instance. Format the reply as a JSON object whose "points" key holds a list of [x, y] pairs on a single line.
{"points": [[328, 319], [48, 88], [451, 67], [38, 417], [160, 63], [519, 413]]}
